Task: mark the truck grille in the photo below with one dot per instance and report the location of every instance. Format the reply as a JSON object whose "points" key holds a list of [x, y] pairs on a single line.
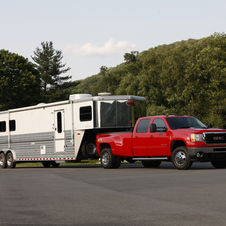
{"points": [[214, 138]]}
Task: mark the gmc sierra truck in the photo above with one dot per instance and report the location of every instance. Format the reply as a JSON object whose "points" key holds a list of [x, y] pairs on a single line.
{"points": [[179, 139]]}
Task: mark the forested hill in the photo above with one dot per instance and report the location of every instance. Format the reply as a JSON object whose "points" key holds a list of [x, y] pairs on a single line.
{"points": [[186, 77]]}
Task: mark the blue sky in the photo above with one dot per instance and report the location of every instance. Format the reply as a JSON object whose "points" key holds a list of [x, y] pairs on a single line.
{"points": [[95, 33]]}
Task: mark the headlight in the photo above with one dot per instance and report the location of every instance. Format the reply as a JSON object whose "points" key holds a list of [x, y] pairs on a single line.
{"points": [[196, 137]]}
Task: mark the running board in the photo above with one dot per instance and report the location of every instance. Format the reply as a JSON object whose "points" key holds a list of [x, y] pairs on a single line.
{"points": [[143, 159]]}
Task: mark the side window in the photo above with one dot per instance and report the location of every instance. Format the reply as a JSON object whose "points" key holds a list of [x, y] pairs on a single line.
{"points": [[12, 125], [85, 113], [160, 125], [59, 122], [143, 126], [2, 126]]}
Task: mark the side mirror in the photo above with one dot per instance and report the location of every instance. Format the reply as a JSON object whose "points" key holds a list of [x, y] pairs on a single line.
{"points": [[209, 125], [153, 128]]}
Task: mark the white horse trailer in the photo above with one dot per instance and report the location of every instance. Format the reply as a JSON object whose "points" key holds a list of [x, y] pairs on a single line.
{"points": [[64, 131]]}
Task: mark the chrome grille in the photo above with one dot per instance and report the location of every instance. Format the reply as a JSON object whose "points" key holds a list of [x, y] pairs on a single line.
{"points": [[214, 137]]}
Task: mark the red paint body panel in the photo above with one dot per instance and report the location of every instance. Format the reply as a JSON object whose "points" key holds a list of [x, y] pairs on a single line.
{"points": [[153, 144]]}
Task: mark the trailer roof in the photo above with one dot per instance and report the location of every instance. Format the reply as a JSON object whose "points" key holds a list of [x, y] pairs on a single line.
{"points": [[78, 98]]}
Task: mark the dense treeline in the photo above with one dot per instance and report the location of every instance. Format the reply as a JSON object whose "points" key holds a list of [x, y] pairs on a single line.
{"points": [[187, 77]]}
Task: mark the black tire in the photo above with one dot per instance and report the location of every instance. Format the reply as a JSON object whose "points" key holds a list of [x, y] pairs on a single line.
{"points": [[46, 164], [2, 160], [219, 164], [55, 165], [181, 159], [108, 160], [151, 163], [89, 149], [9, 161], [117, 162]]}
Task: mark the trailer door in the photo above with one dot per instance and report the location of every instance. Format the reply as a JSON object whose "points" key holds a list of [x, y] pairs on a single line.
{"points": [[59, 133]]}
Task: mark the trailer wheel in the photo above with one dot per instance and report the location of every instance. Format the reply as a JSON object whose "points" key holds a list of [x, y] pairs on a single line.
{"points": [[89, 149], [9, 161], [181, 159], [108, 160], [54, 164], [2, 160], [46, 164], [151, 163], [219, 164]]}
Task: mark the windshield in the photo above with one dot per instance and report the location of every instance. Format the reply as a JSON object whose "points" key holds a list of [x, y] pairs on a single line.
{"points": [[184, 122]]}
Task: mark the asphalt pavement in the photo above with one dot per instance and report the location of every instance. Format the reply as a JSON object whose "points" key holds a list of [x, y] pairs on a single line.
{"points": [[130, 195]]}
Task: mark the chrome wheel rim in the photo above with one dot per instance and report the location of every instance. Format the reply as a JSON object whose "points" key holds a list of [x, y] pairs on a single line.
{"points": [[180, 158], [105, 159]]}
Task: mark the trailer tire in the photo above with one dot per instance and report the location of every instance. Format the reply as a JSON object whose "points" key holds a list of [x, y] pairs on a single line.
{"points": [[219, 164], [46, 164], [151, 163], [55, 165], [9, 161], [181, 159], [108, 160], [89, 149], [2, 160]]}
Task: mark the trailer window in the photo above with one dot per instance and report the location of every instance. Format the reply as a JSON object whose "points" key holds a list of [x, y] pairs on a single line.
{"points": [[12, 125], [2, 126], [59, 122], [85, 113]]}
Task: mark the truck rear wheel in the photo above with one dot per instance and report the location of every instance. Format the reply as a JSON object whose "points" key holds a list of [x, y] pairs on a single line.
{"points": [[219, 164], [151, 163], [181, 159], [108, 160], [9, 161], [2, 160], [89, 149]]}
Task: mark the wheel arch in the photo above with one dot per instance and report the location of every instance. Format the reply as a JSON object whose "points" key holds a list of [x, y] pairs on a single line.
{"points": [[102, 146], [175, 144]]}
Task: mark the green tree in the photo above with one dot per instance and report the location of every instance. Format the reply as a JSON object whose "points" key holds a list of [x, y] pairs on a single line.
{"points": [[49, 64], [19, 81]]}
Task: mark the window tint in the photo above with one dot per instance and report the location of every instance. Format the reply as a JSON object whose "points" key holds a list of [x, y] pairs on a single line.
{"points": [[12, 125], [2, 126], [59, 122], [85, 113], [143, 126], [160, 125]]}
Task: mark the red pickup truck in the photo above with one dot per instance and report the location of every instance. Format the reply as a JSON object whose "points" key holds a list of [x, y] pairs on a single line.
{"points": [[179, 139]]}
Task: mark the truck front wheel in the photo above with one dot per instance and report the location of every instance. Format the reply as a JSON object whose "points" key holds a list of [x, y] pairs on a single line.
{"points": [[108, 160], [181, 159]]}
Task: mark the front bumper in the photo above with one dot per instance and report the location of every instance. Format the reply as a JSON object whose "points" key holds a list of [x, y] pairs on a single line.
{"points": [[206, 154]]}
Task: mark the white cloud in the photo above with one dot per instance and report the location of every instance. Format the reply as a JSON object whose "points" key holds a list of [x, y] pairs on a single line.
{"points": [[110, 48]]}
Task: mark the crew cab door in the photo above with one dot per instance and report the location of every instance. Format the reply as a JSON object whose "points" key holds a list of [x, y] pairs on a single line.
{"points": [[158, 144], [141, 138]]}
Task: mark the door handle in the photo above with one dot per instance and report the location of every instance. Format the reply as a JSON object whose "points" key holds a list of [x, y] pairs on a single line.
{"points": [[151, 137]]}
